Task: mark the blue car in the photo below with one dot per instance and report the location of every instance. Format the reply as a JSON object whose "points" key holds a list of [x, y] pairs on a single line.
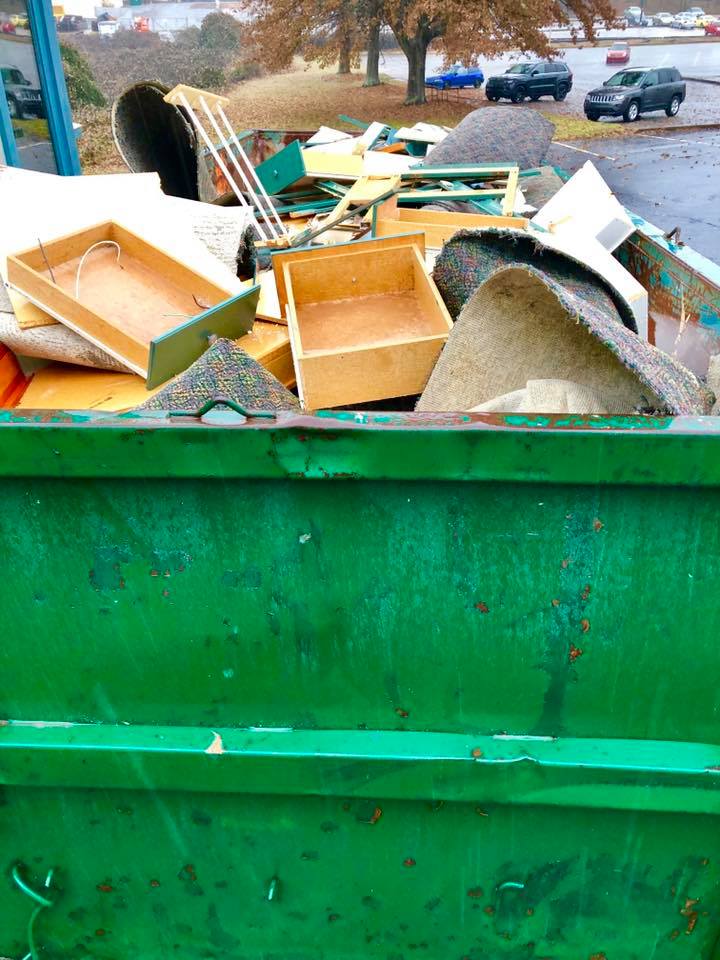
{"points": [[457, 77]]}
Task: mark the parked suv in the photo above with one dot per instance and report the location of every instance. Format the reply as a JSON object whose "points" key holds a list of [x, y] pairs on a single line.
{"points": [[23, 98], [541, 78], [629, 93]]}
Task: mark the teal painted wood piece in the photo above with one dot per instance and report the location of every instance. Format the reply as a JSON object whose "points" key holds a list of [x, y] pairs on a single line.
{"points": [[174, 351], [283, 169]]}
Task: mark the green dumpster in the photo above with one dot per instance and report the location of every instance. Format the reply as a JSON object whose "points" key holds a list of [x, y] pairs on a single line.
{"points": [[361, 686]]}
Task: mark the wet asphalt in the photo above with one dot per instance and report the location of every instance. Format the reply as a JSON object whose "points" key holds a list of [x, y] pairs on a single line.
{"points": [[672, 180]]}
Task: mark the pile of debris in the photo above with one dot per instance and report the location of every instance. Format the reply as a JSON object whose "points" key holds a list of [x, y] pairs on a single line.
{"points": [[418, 267]]}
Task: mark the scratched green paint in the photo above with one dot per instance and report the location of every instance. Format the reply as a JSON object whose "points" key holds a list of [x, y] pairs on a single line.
{"points": [[222, 590], [167, 584]]}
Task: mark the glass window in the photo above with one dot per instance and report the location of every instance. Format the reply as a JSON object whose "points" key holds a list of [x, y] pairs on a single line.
{"points": [[520, 68], [21, 89], [651, 78], [625, 78]]}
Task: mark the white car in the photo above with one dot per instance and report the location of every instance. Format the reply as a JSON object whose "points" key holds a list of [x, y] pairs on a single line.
{"points": [[684, 21], [663, 19]]}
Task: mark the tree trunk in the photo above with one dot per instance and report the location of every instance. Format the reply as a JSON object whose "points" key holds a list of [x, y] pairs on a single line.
{"points": [[344, 58], [415, 50], [372, 73]]}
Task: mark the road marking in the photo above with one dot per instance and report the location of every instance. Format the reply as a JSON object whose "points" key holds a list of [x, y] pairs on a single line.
{"points": [[692, 143], [602, 156]]}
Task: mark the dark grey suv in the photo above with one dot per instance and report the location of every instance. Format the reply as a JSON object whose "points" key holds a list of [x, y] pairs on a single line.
{"points": [[543, 78], [631, 92]]}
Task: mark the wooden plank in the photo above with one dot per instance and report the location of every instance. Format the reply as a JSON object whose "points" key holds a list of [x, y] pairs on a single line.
{"points": [[193, 95], [318, 164], [283, 257], [422, 133], [12, 379], [269, 344], [373, 133], [428, 196], [27, 315], [62, 386], [391, 148], [508, 202], [368, 189], [364, 191], [437, 235], [268, 307], [460, 171], [304, 237]]}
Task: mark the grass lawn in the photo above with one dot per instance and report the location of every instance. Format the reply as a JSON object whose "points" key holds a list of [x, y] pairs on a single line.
{"points": [[307, 97]]}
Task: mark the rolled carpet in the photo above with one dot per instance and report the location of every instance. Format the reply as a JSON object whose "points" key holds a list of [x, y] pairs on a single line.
{"points": [[522, 325]]}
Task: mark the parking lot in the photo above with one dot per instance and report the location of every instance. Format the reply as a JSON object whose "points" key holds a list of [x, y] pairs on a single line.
{"points": [[672, 181], [698, 60]]}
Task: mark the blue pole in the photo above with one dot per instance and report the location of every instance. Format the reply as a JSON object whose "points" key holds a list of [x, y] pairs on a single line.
{"points": [[52, 83], [7, 137]]}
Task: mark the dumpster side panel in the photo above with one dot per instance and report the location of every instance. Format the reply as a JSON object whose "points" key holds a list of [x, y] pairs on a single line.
{"points": [[254, 716], [532, 609], [683, 295], [156, 876]]}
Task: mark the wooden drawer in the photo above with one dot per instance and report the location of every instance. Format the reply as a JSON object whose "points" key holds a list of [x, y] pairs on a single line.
{"points": [[366, 325], [143, 307]]}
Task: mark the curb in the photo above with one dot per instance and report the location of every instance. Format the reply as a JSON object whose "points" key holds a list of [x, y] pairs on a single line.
{"points": [[633, 41], [681, 128], [711, 80]]}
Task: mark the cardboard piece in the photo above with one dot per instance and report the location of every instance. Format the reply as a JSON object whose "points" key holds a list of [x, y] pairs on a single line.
{"points": [[422, 133], [586, 206]]}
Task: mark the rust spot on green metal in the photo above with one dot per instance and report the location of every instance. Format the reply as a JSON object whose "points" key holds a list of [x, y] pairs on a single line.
{"points": [[691, 913]]}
